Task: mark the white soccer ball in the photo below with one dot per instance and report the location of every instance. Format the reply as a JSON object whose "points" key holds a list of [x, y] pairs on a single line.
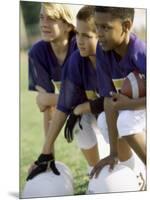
{"points": [[120, 179], [48, 184]]}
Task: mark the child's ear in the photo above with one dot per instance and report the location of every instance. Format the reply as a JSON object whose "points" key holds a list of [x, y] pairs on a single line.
{"points": [[127, 24], [69, 27]]}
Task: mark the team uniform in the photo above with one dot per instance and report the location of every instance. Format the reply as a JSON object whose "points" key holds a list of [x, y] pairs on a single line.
{"points": [[80, 85], [111, 73], [44, 69]]}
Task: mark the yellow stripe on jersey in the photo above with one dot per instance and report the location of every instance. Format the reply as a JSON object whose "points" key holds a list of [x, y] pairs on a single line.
{"points": [[57, 85], [118, 83], [91, 95]]}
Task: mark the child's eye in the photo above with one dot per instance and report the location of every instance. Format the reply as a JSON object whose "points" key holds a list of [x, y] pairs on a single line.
{"points": [[83, 35], [88, 36], [102, 27], [105, 28], [51, 20], [108, 27]]}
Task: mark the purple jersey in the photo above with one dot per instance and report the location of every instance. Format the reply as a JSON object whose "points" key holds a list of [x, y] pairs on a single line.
{"points": [[44, 69], [111, 71], [79, 83]]}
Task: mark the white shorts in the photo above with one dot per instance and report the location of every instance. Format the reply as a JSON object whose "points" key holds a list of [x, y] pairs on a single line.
{"points": [[129, 122], [86, 138]]}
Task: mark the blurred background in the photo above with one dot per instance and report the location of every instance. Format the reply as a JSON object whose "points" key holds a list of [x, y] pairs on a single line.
{"points": [[29, 22], [31, 129]]}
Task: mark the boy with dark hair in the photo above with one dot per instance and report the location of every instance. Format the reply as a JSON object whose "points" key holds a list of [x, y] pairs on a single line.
{"points": [[119, 52]]}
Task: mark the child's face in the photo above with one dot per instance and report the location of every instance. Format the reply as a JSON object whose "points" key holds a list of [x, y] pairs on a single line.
{"points": [[110, 31], [86, 39], [51, 29]]}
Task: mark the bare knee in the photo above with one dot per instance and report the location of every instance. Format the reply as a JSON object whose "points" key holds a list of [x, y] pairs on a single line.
{"points": [[39, 103]]}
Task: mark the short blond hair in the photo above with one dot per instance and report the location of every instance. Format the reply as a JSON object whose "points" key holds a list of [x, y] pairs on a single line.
{"points": [[59, 11]]}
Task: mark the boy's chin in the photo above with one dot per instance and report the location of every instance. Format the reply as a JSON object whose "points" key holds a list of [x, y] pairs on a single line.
{"points": [[83, 54], [47, 39]]}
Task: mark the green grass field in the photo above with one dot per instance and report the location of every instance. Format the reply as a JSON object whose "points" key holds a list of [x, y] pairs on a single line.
{"points": [[32, 137]]}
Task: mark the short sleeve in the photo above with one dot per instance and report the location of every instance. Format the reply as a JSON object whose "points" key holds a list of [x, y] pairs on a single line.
{"points": [[105, 83], [38, 73], [71, 93], [139, 57]]}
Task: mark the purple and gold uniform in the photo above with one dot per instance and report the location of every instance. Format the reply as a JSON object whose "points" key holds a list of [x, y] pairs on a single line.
{"points": [[44, 69], [79, 84], [111, 71]]}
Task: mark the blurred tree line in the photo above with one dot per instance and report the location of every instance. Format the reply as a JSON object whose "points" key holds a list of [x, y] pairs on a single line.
{"points": [[30, 12], [29, 24], [29, 21]]}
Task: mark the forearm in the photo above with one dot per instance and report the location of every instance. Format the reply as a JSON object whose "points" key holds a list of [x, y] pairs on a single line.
{"points": [[139, 103], [56, 125], [92, 106], [111, 119], [47, 99], [50, 99], [82, 109], [122, 102]]}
